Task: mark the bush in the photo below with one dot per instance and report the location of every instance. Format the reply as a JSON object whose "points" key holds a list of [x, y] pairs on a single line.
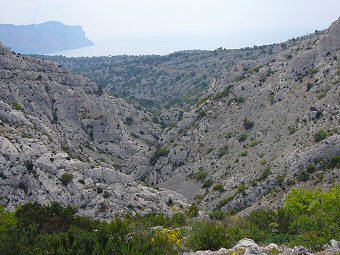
{"points": [[335, 162], [309, 218], [17, 106], [321, 135], [201, 175], [222, 151], [7, 220], [66, 178], [315, 216], [218, 187], [207, 236], [265, 173], [244, 153], [208, 183], [247, 124], [162, 152], [242, 138]]}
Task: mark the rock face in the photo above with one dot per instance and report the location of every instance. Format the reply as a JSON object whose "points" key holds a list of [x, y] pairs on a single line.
{"points": [[249, 247], [62, 138], [43, 38]]}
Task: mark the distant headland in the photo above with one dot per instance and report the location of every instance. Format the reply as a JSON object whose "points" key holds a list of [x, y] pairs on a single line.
{"points": [[44, 38]]}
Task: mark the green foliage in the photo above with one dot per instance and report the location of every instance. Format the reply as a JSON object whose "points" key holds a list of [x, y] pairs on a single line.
{"points": [[322, 94], [207, 236], [321, 135], [335, 162], [66, 178], [309, 217], [202, 113], [208, 183], [162, 152], [265, 173], [192, 211], [292, 130], [242, 138], [218, 187], [201, 175], [224, 93], [17, 106], [244, 153], [241, 188], [222, 151], [315, 216], [253, 143], [7, 220]]}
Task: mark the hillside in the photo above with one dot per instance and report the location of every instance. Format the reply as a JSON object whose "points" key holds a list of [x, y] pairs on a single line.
{"points": [[255, 137], [43, 38], [176, 80], [62, 138], [266, 120]]}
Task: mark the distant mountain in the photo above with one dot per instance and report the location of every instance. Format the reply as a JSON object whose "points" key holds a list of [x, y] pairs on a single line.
{"points": [[43, 38]]}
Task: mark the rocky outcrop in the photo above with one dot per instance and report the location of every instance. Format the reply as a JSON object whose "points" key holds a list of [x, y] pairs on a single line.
{"points": [[249, 247], [331, 40], [62, 138]]}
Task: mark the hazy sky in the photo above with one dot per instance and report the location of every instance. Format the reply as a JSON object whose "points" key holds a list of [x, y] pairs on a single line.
{"points": [[122, 19]]}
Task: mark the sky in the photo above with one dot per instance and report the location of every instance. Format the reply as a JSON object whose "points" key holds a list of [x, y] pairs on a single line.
{"points": [[231, 23]]}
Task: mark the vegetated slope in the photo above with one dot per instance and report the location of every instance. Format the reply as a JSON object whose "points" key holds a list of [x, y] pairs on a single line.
{"points": [[62, 138], [275, 126], [159, 82]]}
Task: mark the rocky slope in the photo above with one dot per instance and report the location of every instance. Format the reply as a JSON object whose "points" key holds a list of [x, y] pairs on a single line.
{"points": [[267, 121], [272, 122], [63, 139]]}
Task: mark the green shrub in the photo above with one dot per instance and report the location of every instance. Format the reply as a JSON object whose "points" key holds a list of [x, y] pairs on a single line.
{"points": [[217, 215], [335, 162], [192, 211], [208, 183], [315, 216], [242, 138], [244, 153], [241, 188], [321, 135], [224, 93], [7, 219], [292, 130], [207, 236], [218, 187], [253, 143], [66, 178], [162, 152], [222, 151], [17, 106], [265, 173], [311, 168], [201, 175], [322, 94]]}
